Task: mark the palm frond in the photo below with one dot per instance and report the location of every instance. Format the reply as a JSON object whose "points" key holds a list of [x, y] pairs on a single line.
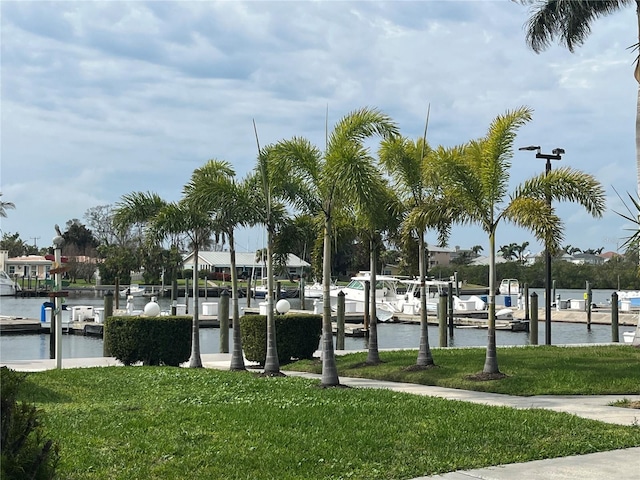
{"points": [[569, 21]]}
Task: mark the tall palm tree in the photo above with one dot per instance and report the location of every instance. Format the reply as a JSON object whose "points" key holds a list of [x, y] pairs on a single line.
{"points": [[570, 21], [270, 182], [187, 217], [476, 177], [381, 212], [213, 186], [410, 165], [4, 206], [327, 181]]}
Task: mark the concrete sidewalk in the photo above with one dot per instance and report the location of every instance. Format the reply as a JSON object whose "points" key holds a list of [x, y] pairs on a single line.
{"points": [[616, 464]]}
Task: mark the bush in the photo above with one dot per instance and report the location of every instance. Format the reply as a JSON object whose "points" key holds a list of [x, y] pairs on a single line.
{"points": [[297, 336], [25, 454], [164, 340]]}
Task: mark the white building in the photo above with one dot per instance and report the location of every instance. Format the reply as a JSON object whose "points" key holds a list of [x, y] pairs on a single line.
{"points": [[246, 264]]}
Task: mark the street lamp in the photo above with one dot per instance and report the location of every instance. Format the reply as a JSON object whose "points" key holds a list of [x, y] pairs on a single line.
{"points": [[556, 154]]}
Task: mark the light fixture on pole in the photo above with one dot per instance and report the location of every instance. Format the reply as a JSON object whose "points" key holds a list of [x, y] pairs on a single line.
{"points": [[556, 154]]}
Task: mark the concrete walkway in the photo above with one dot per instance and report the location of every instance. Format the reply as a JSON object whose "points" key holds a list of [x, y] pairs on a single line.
{"points": [[616, 464]]}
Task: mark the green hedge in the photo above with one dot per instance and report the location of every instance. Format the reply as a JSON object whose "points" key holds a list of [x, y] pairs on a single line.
{"points": [[297, 336], [164, 340]]}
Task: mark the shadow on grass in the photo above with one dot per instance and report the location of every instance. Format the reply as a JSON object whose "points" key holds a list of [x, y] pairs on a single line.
{"points": [[485, 377], [419, 368]]}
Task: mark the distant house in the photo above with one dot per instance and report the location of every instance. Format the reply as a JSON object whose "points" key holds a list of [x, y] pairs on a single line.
{"points": [[610, 255], [246, 265], [587, 259], [441, 256], [27, 266], [484, 260]]}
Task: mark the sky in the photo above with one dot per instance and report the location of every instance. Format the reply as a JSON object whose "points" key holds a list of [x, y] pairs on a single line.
{"points": [[104, 98]]}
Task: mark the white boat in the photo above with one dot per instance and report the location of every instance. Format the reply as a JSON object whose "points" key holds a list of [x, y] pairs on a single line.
{"points": [[631, 298], [389, 300], [7, 285], [315, 290], [133, 290], [628, 337], [509, 286], [260, 291]]}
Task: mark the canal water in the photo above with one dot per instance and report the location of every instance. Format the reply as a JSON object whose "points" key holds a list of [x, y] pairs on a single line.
{"points": [[390, 335]]}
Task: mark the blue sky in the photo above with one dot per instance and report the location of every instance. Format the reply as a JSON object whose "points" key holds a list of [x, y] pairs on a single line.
{"points": [[100, 99]]}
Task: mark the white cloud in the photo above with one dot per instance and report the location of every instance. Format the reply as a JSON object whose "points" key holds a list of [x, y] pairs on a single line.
{"points": [[100, 99]]}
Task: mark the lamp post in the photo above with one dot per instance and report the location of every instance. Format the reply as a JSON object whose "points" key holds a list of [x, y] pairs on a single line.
{"points": [[556, 154]]}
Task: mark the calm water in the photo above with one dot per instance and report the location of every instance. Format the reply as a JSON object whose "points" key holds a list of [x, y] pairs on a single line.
{"points": [[36, 346]]}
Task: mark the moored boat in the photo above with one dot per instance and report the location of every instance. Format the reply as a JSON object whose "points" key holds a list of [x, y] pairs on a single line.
{"points": [[509, 286], [133, 290], [7, 285]]}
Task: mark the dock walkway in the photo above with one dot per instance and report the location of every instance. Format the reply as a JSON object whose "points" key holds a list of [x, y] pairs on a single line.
{"points": [[24, 325]]}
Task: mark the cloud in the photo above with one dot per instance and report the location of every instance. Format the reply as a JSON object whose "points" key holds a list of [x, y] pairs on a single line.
{"points": [[100, 99]]}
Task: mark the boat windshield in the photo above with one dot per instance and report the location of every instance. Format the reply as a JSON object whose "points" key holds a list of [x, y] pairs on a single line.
{"points": [[356, 285], [359, 285]]}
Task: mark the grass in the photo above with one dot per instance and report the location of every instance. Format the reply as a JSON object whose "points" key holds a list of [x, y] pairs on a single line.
{"points": [[541, 370], [173, 423]]}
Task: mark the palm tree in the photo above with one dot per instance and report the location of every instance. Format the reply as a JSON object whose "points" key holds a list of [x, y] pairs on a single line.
{"points": [[213, 186], [4, 206], [409, 164], [328, 181], [271, 182], [135, 211], [476, 177], [190, 218], [521, 252], [570, 21], [509, 251], [381, 212]]}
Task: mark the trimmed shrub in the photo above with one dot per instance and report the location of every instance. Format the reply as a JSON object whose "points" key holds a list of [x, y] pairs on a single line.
{"points": [[164, 340], [25, 453], [297, 336]]}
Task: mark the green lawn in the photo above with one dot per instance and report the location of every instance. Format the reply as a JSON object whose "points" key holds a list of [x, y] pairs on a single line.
{"points": [[540, 370], [176, 423]]}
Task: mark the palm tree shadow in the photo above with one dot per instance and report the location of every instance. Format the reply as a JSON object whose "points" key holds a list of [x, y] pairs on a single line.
{"points": [[484, 377], [419, 368]]}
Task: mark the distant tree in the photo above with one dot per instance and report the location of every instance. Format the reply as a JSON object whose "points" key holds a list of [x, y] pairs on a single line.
{"points": [[78, 239], [520, 251], [14, 244], [571, 250], [464, 258], [100, 220], [508, 252], [132, 218], [476, 249], [117, 261]]}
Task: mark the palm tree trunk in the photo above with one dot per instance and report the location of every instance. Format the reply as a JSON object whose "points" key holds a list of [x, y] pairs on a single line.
{"points": [[424, 353], [271, 364], [237, 359], [195, 361], [329, 367], [491, 359], [373, 356]]}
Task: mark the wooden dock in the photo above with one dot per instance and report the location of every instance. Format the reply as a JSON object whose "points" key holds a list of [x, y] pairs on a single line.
{"points": [[353, 321]]}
